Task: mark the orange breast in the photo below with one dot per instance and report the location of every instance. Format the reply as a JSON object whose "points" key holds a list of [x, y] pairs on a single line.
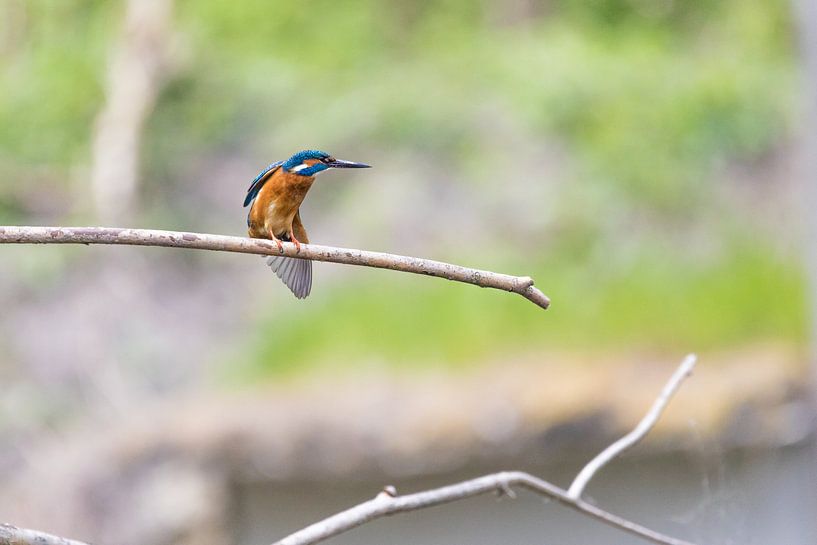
{"points": [[277, 203]]}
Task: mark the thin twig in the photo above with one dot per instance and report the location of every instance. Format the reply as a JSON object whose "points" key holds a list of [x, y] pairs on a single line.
{"points": [[11, 535], [385, 504], [523, 285], [646, 424]]}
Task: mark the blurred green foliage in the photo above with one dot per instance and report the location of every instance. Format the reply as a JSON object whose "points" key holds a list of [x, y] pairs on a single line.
{"points": [[668, 304], [51, 65], [646, 98]]}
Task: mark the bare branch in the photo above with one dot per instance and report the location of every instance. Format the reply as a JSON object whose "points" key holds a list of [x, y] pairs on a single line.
{"points": [[11, 535], [388, 503], [646, 424], [384, 504], [523, 285]]}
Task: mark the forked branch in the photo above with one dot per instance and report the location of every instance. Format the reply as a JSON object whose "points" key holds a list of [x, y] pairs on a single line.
{"points": [[389, 503], [523, 285]]}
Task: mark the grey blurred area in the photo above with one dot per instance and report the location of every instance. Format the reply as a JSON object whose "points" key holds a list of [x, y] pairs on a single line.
{"points": [[748, 497], [647, 164]]}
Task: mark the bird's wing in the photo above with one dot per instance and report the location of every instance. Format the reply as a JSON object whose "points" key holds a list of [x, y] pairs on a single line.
{"points": [[298, 228], [295, 273], [259, 182]]}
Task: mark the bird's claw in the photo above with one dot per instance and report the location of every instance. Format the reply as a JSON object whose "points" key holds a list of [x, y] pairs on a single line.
{"points": [[296, 242], [277, 242]]}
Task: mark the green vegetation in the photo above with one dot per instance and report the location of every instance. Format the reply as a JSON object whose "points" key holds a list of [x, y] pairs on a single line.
{"points": [[655, 302], [647, 105], [50, 73], [645, 100]]}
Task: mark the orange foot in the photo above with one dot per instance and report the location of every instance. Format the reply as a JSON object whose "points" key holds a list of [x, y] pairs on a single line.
{"points": [[277, 242], [295, 241]]}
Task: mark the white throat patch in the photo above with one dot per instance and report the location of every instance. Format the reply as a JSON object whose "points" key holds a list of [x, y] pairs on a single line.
{"points": [[299, 167]]}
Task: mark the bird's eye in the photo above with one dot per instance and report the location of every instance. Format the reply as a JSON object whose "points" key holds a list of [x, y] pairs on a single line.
{"points": [[328, 159]]}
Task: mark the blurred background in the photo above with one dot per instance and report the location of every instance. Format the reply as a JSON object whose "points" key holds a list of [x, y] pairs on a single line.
{"points": [[649, 163]]}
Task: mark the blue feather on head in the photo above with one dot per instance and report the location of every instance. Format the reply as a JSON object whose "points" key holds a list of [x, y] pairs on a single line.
{"points": [[299, 158], [296, 165]]}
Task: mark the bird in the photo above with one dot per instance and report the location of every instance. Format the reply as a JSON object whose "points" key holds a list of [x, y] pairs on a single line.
{"points": [[274, 198]]}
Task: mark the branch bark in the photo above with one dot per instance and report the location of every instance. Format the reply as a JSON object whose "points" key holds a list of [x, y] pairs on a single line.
{"points": [[388, 503], [11, 535], [522, 285], [385, 504]]}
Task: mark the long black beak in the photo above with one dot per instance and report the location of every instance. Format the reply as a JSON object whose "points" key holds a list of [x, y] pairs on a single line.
{"points": [[339, 163]]}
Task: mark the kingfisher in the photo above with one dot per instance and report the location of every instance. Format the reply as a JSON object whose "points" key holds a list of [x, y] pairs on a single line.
{"points": [[275, 198]]}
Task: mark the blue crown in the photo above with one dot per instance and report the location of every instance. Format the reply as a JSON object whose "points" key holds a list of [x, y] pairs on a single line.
{"points": [[302, 156]]}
